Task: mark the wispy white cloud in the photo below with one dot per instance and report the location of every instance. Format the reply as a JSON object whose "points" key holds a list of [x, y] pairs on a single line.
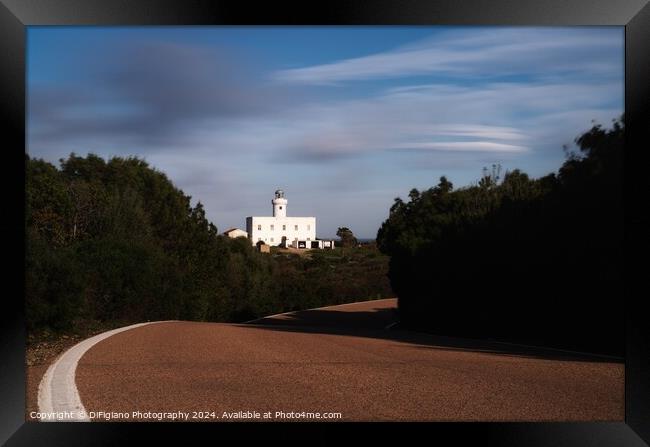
{"points": [[496, 118], [470, 146], [491, 95], [485, 52]]}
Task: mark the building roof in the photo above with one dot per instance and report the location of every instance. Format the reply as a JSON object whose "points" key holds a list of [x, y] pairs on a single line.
{"points": [[229, 230]]}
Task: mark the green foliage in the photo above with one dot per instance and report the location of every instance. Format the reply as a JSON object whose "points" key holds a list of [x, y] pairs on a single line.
{"points": [[347, 237], [475, 260], [116, 241], [53, 290]]}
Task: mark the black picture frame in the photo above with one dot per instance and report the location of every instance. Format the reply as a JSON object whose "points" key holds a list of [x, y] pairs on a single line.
{"points": [[15, 15]]}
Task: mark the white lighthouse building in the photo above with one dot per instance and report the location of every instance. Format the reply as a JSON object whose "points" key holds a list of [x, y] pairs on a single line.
{"points": [[273, 230]]}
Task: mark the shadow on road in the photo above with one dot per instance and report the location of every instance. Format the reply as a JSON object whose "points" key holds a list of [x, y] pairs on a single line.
{"points": [[372, 323], [374, 318]]}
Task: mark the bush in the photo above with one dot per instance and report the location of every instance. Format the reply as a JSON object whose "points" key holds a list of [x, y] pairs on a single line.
{"points": [[534, 260], [116, 241]]}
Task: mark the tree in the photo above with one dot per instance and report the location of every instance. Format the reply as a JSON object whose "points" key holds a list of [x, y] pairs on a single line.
{"points": [[490, 179], [115, 241], [554, 243], [444, 186], [347, 237]]}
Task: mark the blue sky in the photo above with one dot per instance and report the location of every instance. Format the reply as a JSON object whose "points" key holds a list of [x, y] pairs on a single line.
{"points": [[344, 119]]}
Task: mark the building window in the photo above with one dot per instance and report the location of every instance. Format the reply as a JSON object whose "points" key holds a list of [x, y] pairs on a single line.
{"points": [[259, 239], [259, 228], [308, 227], [272, 228], [284, 227], [271, 239], [308, 239], [280, 206], [295, 227]]}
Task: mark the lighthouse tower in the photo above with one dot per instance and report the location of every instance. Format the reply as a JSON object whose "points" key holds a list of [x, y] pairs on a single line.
{"points": [[298, 232], [279, 204]]}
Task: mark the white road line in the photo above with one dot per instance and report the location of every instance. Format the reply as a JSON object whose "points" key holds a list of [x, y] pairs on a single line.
{"points": [[57, 393]]}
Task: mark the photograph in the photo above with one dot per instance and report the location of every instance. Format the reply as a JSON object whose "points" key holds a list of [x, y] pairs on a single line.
{"points": [[324, 223]]}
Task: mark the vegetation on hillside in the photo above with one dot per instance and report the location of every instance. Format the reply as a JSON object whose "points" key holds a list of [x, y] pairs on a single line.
{"points": [[535, 260], [513, 257], [116, 242]]}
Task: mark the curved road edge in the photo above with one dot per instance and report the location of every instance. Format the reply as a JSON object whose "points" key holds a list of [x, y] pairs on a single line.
{"points": [[293, 312], [57, 392]]}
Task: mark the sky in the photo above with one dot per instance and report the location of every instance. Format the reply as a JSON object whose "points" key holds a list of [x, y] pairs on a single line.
{"points": [[343, 119]]}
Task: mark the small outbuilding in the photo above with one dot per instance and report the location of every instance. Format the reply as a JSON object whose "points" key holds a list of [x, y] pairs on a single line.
{"points": [[235, 232], [263, 248]]}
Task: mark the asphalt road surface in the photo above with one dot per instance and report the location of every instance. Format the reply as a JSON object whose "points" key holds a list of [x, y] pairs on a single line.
{"points": [[340, 359]]}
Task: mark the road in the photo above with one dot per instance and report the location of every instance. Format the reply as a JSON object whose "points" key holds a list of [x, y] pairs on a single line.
{"points": [[341, 360]]}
